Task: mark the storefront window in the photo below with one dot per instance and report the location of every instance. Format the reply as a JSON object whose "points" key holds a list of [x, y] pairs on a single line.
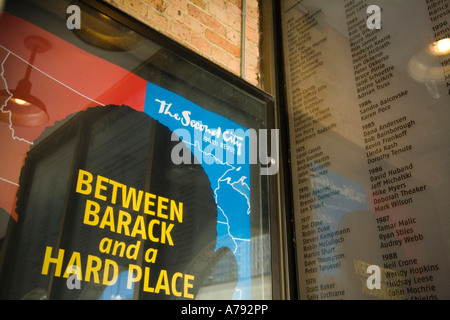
{"points": [[126, 169]]}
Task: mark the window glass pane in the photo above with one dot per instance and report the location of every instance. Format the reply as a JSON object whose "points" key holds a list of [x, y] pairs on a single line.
{"points": [[140, 165], [368, 105]]}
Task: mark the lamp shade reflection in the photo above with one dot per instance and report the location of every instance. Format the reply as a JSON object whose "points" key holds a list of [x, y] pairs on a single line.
{"points": [[20, 107], [425, 65], [101, 31]]}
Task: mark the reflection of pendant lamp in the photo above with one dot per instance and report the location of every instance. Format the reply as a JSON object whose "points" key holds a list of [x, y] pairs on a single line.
{"points": [[103, 32], [425, 66], [24, 108]]}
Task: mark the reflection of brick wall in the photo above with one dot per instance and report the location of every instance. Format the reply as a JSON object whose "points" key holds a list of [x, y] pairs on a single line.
{"points": [[210, 27]]}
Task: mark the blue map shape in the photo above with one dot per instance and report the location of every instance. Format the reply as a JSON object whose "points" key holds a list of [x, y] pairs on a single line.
{"points": [[230, 180]]}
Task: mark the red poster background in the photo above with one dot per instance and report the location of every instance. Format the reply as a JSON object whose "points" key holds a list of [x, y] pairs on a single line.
{"points": [[65, 78]]}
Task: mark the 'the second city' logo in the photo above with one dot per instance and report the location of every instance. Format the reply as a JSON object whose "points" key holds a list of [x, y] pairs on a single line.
{"points": [[221, 146]]}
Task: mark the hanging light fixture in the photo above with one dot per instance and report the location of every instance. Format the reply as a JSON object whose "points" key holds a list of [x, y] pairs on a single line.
{"points": [[21, 107]]}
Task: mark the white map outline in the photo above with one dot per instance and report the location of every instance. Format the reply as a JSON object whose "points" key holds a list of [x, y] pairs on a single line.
{"points": [[14, 137], [197, 145], [241, 180]]}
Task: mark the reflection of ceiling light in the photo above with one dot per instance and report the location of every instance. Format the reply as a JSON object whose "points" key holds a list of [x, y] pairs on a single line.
{"points": [[22, 108], [425, 65], [441, 47], [20, 102]]}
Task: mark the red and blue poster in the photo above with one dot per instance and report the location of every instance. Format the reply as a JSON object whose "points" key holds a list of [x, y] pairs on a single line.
{"points": [[135, 229]]}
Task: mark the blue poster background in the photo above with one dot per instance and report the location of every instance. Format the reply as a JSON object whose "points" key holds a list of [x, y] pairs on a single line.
{"points": [[229, 177]]}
